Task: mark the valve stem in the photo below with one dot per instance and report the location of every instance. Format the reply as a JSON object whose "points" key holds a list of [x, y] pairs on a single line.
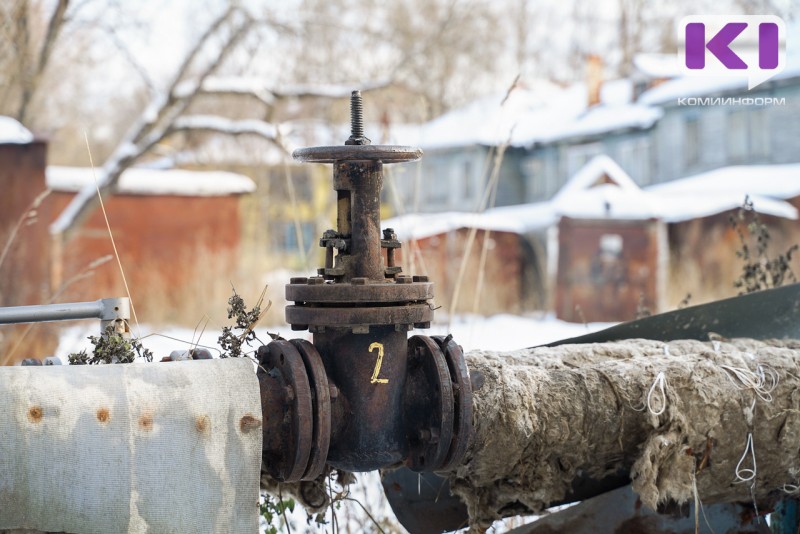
{"points": [[356, 121]]}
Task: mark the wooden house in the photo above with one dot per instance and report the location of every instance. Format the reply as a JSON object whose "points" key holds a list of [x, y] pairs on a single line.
{"points": [[24, 240], [603, 249], [496, 259], [176, 231], [703, 260], [23, 271]]}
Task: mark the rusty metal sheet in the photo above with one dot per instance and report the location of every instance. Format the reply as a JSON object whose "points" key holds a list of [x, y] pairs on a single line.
{"points": [[422, 502], [621, 512], [769, 314]]}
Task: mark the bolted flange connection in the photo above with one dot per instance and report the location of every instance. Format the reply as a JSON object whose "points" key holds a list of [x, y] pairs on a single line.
{"points": [[362, 396]]}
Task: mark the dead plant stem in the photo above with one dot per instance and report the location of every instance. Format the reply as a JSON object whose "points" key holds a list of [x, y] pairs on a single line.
{"points": [[111, 235], [25, 218]]}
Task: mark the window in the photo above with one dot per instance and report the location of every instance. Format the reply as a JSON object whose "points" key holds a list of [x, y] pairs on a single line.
{"points": [[436, 181], [579, 155], [634, 157], [607, 265], [533, 169], [691, 141], [759, 133], [468, 188], [288, 237], [611, 245], [737, 132]]}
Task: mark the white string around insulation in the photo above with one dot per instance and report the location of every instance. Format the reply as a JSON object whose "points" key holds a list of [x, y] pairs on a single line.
{"points": [[791, 489], [660, 383], [762, 381], [745, 474]]}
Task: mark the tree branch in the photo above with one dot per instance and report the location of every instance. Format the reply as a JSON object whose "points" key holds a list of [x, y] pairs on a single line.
{"points": [[153, 126], [53, 30], [214, 86], [211, 123], [329, 91], [176, 101], [234, 86]]}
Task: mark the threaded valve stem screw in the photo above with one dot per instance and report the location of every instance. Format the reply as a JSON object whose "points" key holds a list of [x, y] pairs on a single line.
{"points": [[357, 121]]}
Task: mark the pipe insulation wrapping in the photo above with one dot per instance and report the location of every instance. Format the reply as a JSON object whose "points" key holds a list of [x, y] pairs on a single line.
{"points": [[131, 448], [714, 421]]}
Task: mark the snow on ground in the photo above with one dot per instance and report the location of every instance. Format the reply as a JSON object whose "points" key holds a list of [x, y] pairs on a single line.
{"points": [[500, 332]]}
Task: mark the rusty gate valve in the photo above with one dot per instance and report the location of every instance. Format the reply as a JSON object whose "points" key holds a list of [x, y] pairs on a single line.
{"points": [[362, 396]]}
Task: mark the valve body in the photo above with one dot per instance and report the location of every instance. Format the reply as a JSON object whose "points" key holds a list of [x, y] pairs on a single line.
{"points": [[363, 395]]}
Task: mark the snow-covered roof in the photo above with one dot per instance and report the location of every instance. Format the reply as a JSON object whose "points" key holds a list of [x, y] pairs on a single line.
{"points": [[600, 169], [603, 190], [657, 66], [526, 217], [616, 92], [775, 181], [422, 225], [679, 207], [252, 150], [12, 132], [496, 119], [143, 181], [607, 201], [589, 195], [518, 219], [602, 119], [543, 115], [689, 86]]}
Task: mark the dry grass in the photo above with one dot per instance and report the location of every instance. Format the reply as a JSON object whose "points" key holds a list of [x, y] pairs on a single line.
{"points": [[198, 293], [202, 289], [704, 285]]}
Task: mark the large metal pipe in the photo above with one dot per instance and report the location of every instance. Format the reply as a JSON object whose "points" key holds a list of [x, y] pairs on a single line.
{"points": [[131, 448]]}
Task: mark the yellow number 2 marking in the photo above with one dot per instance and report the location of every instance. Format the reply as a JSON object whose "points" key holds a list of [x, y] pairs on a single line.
{"points": [[376, 372]]}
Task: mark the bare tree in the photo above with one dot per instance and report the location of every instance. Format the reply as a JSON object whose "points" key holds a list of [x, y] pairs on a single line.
{"points": [[158, 120], [169, 111]]}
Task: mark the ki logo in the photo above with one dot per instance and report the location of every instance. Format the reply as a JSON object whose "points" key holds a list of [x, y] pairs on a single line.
{"points": [[752, 46]]}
